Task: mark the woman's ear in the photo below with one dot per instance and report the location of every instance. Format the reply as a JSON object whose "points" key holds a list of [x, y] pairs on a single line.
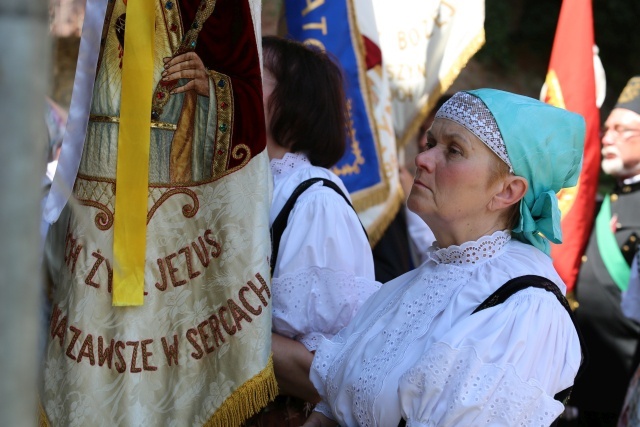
{"points": [[513, 190]]}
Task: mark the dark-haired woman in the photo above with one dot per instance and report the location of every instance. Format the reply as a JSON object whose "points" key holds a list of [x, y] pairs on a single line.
{"points": [[323, 270]]}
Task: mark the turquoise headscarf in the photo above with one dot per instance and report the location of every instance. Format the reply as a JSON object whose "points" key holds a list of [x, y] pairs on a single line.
{"points": [[545, 145]]}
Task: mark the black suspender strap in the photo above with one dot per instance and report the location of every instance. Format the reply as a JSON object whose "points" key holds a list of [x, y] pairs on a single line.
{"points": [[517, 284], [280, 223]]}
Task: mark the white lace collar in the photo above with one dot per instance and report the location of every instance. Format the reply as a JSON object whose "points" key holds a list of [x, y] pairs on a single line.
{"points": [[288, 163], [472, 252]]}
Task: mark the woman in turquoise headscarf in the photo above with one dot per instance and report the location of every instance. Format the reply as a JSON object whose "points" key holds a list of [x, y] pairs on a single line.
{"points": [[431, 348]]}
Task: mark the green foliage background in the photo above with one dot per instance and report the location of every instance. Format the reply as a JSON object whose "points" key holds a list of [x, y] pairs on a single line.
{"points": [[520, 33]]}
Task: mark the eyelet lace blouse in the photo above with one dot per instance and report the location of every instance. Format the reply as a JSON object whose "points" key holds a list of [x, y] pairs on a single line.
{"points": [[415, 351], [324, 270]]}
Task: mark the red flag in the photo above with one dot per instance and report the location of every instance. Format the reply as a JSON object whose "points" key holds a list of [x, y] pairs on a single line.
{"points": [[570, 84]]}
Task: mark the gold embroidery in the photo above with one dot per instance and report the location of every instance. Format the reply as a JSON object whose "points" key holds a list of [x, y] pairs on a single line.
{"points": [[224, 126], [241, 152], [187, 210], [173, 25], [354, 167], [630, 91], [114, 119], [103, 219], [91, 191]]}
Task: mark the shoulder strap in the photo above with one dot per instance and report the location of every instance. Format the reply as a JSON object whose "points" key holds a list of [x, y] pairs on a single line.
{"points": [[519, 283], [280, 223]]}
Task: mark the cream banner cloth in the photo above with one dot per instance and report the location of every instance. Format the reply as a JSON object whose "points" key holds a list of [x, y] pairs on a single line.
{"points": [[197, 352]]}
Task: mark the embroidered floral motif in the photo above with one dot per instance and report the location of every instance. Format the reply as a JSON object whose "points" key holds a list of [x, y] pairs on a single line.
{"points": [[436, 290], [289, 163], [470, 252], [461, 373], [316, 302]]}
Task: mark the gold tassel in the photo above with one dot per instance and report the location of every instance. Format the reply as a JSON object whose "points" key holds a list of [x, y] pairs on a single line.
{"points": [[247, 400]]}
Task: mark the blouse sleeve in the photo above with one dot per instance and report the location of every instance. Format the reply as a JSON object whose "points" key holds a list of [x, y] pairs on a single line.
{"points": [[500, 367], [324, 270]]}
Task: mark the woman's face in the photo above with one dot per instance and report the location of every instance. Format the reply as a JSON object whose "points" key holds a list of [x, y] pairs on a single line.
{"points": [[452, 186]]}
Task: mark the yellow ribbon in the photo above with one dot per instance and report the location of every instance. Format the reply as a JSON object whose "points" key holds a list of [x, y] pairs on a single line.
{"points": [[132, 174]]}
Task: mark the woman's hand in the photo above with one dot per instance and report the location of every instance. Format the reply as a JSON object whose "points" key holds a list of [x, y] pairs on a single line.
{"points": [[187, 66], [319, 420], [291, 363]]}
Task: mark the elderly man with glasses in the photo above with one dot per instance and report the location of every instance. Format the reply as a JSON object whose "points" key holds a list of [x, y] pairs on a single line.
{"points": [[610, 336]]}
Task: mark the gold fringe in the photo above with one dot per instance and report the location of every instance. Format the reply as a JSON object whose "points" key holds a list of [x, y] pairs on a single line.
{"points": [[43, 421], [377, 228], [247, 400], [446, 82], [370, 197]]}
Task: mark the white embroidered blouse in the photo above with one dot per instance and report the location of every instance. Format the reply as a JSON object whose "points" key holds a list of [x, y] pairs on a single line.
{"points": [[416, 351], [324, 269]]}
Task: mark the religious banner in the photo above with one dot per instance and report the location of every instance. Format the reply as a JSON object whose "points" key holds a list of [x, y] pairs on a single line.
{"points": [[571, 84], [425, 44], [369, 168], [195, 349]]}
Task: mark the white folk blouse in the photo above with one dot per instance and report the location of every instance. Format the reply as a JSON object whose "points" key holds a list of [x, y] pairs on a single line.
{"points": [[415, 350], [324, 270]]}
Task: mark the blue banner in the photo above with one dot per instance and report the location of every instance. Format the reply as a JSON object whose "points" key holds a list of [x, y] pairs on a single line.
{"points": [[330, 25]]}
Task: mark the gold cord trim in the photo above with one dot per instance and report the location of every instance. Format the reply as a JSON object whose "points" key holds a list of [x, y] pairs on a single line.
{"points": [[115, 119], [247, 400], [224, 126]]}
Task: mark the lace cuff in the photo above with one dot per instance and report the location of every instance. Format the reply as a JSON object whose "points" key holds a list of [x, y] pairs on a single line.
{"points": [[453, 386], [317, 302]]}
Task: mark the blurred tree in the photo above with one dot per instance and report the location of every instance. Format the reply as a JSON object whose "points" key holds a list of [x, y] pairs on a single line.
{"points": [[520, 35]]}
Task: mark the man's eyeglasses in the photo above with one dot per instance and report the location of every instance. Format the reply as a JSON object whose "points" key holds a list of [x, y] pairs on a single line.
{"points": [[620, 133]]}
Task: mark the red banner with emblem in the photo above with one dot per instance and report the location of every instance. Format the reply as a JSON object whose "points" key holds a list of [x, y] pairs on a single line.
{"points": [[571, 84]]}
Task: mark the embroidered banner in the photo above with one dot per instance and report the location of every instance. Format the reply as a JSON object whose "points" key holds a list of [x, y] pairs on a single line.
{"points": [[369, 168], [198, 351], [425, 45]]}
